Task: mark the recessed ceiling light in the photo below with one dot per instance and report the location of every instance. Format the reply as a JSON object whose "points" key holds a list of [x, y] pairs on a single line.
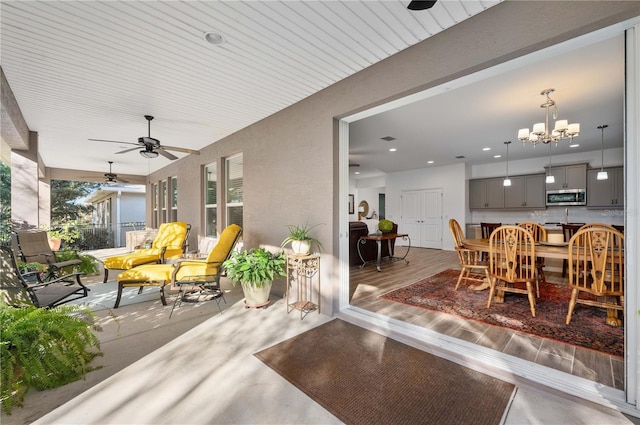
{"points": [[357, 172], [575, 145], [429, 162], [486, 149], [393, 150], [215, 38], [497, 156]]}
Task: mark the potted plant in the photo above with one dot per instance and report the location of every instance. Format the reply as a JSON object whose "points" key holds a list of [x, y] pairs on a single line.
{"points": [[301, 239], [255, 270]]}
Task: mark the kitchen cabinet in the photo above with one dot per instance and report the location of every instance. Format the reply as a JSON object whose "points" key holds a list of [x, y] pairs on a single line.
{"points": [[525, 192], [568, 177], [486, 193], [606, 193]]}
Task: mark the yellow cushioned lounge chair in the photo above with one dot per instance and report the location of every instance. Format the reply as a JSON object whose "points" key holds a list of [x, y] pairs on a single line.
{"points": [[203, 274], [168, 244]]}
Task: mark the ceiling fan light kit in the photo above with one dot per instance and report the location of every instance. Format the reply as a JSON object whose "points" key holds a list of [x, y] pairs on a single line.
{"points": [[540, 132]]}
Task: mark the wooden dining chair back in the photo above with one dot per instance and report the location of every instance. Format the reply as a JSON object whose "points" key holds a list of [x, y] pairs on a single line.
{"points": [[568, 230], [470, 260], [596, 259], [539, 234], [486, 229], [590, 225], [512, 256]]}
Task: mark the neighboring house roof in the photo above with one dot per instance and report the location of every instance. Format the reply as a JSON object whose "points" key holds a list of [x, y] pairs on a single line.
{"points": [[108, 191]]}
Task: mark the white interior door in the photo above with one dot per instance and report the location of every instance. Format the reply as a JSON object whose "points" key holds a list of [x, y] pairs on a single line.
{"points": [[421, 217]]}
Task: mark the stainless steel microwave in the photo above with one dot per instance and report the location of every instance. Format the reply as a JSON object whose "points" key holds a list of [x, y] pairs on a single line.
{"points": [[565, 197]]}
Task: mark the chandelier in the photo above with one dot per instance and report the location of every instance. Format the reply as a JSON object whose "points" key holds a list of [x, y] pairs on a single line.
{"points": [[540, 133]]}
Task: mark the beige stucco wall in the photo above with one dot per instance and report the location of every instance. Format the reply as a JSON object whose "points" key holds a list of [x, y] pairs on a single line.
{"points": [[290, 158]]}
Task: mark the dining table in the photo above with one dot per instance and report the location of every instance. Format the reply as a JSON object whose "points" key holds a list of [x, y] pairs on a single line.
{"points": [[559, 250]]}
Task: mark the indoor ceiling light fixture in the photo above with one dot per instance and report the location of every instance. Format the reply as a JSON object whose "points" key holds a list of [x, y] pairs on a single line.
{"points": [[550, 178], [507, 180], [540, 133], [602, 175]]}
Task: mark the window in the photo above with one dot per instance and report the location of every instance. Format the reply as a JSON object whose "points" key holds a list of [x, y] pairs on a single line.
{"points": [[174, 199], [154, 202], [234, 187], [163, 200], [210, 199]]}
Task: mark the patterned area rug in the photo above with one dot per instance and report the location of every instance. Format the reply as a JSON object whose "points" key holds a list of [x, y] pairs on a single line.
{"points": [[365, 378], [587, 328]]}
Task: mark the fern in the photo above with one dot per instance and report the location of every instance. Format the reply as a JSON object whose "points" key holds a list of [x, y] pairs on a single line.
{"points": [[44, 349]]}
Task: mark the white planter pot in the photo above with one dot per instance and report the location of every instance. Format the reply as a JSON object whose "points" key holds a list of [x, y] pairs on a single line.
{"points": [[256, 297], [301, 247]]}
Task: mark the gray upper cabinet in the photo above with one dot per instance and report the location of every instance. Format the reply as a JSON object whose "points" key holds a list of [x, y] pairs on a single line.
{"points": [[606, 193], [486, 193], [525, 192], [569, 177]]}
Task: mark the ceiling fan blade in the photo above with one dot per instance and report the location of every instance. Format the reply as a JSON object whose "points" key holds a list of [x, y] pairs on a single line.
{"points": [[128, 150], [421, 5], [166, 154], [177, 149], [113, 141], [121, 180]]}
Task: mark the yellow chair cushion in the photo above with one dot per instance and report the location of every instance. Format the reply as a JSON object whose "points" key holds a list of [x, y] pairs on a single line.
{"points": [[150, 273], [171, 235], [188, 270]]}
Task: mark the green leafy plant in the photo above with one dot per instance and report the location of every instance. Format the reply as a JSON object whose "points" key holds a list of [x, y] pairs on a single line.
{"points": [[255, 267], [44, 348], [301, 233], [68, 232], [89, 264]]}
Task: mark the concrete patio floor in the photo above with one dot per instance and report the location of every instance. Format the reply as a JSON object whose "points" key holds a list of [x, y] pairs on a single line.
{"points": [[198, 368]]}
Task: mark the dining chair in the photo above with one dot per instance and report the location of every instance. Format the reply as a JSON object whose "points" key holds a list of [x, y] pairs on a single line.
{"points": [[596, 258], [470, 260], [590, 225], [486, 230], [512, 256], [568, 230], [539, 234]]}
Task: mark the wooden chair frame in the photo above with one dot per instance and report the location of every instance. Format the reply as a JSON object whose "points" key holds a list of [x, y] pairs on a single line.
{"points": [[512, 254], [469, 259], [596, 259]]}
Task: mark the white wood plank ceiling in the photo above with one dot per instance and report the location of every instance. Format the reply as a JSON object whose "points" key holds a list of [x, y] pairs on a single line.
{"points": [[92, 69]]}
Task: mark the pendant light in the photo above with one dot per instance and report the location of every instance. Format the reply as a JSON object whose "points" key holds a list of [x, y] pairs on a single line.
{"points": [[550, 178], [507, 180], [602, 175]]}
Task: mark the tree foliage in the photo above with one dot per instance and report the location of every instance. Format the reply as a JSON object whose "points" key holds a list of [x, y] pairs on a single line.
{"points": [[64, 200], [5, 201]]}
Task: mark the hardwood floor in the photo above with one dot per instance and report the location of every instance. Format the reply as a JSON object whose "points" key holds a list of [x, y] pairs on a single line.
{"points": [[367, 284]]}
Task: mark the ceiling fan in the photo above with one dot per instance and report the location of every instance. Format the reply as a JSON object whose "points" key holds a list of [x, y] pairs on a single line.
{"points": [[111, 178], [151, 146]]}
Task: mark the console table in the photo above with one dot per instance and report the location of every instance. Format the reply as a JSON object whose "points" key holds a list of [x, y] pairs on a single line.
{"points": [[302, 270], [378, 239]]}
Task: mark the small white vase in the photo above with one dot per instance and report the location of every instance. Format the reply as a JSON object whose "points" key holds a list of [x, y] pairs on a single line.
{"points": [[301, 247]]}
